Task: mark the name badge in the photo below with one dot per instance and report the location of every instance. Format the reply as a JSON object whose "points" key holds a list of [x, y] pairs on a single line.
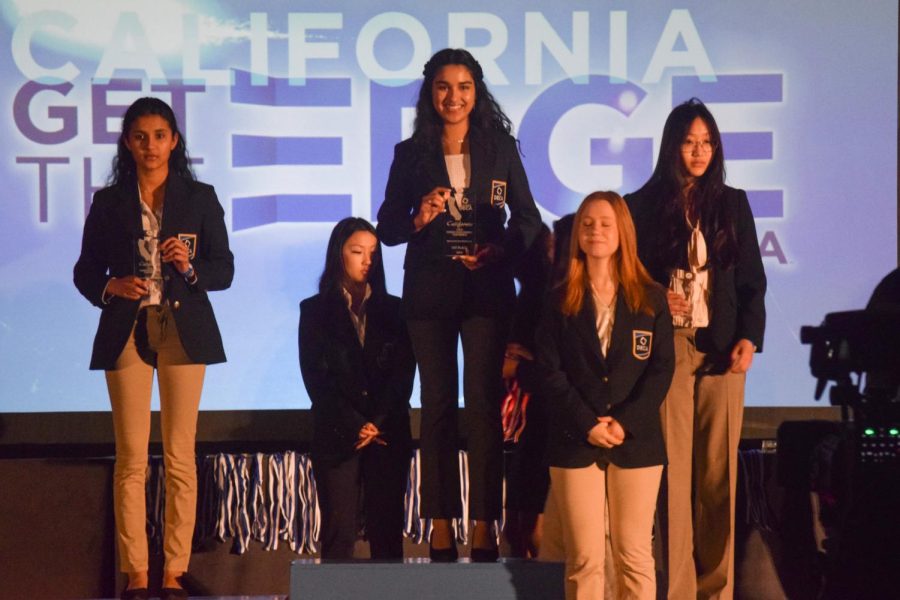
{"points": [[498, 193], [190, 240], [641, 343]]}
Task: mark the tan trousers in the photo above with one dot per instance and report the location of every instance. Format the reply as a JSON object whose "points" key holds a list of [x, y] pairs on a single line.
{"points": [[701, 419], [130, 387], [576, 506]]}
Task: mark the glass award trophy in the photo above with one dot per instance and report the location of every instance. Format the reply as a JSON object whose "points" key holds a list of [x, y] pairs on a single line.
{"points": [[459, 235], [146, 258], [681, 282]]}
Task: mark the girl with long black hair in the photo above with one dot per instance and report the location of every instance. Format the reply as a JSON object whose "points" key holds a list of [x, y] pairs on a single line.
{"points": [[358, 368], [697, 237]]}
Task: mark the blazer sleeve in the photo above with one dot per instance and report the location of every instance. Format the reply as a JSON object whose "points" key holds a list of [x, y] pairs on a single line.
{"points": [[395, 216], [533, 275], [317, 375], [524, 217], [652, 386], [91, 270], [399, 386], [749, 278], [214, 263], [563, 399]]}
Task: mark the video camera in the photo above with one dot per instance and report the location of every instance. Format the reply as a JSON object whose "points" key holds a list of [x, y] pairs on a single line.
{"points": [[857, 341]]}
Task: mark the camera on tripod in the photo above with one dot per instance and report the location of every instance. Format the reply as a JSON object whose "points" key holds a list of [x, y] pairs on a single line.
{"points": [[856, 342]]}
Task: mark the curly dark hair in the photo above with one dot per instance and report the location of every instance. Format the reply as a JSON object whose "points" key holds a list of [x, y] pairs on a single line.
{"points": [[124, 169], [485, 115], [668, 183], [332, 278]]}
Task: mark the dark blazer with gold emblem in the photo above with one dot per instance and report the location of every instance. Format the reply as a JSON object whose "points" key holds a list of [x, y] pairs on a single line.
{"points": [[107, 250], [351, 384], [435, 286], [629, 384], [737, 307]]}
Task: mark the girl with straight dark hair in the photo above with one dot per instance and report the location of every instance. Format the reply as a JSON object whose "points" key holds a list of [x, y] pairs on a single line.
{"points": [[696, 235], [358, 369]]}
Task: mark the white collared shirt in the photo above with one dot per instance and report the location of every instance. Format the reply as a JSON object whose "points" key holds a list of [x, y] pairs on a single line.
{"points": [[606, 316], [359, 321], [147, 256], [459, 168]]}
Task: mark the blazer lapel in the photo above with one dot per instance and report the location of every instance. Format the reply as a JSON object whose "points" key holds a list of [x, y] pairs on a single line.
{"points": [[342, 326], [622, 325], [436, 168], [374, 334], [174, 207], [129, 211], [482, 155], [586, 326]]}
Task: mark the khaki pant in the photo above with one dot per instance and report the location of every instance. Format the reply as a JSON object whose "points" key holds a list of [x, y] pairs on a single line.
{"points": [[130, 387], [574, 514], [701, 420]]}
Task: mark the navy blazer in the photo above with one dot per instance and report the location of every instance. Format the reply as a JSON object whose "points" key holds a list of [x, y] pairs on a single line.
{"points": [[434, 286], [350, 384], [111, 230], [629, 383], [737, 294]]}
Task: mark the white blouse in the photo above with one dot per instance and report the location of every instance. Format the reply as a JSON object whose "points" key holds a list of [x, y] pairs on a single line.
{"points": [[359, 321], [147, 257], [459, 168], [606, 316], [693, 284]]}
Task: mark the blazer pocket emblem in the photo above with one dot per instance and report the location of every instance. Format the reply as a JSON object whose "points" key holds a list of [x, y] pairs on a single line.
{"points": [[498, 193], [641, 343], [190, 240]]}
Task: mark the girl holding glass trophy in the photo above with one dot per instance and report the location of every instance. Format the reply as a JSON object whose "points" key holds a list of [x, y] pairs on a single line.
{"points": [[447, 196], [697, 236], [154, 243]]}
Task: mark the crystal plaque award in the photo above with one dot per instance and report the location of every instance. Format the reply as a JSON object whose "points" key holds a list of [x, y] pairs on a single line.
{"points": [[459, 235]]}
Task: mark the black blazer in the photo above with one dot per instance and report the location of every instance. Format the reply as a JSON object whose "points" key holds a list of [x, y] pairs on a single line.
{"points": [[435, 286], [107, 250], [350, 384], [629, 384], [737, 294]]}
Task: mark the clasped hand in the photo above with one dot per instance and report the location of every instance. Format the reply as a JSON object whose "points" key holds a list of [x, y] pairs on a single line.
{"points": [[607, 433], [369, 434]]}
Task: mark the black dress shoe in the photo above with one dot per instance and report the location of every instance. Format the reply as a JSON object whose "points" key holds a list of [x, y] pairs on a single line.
{"points": [[136, 594], [193, 585], [484, 555], [172, 593], [445, 555]]}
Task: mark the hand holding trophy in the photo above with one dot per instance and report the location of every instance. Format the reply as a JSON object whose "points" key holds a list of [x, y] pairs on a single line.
{"points": [[459, 231], [433, 204]]}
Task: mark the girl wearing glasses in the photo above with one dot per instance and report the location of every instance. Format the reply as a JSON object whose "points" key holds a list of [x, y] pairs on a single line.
{"points": [[697, 236]]}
